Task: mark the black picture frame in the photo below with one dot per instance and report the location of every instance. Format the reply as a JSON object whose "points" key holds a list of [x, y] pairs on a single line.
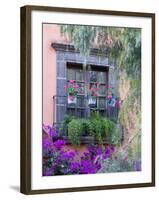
{"points": [[26, 83]]}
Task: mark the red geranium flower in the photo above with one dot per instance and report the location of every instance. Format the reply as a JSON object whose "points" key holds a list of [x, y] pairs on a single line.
{"points": [[75, 86], [71, 81]]}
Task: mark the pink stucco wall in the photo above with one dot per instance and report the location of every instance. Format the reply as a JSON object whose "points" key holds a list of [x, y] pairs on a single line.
{"points": [[51, 33]]}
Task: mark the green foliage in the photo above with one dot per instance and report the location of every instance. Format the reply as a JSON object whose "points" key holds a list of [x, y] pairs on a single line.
{"points": [[131, 104], [123, 44], [115, 165], [132, 53], [101, 128], [119, 162], [86, 126], [134, 149], [75, 131], [83, 36], [64, 124], [96, 129], [124, 159], [115, 136]]}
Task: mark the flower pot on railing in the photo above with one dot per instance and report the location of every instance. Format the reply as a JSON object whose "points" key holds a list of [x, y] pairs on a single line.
{"points": [[92, 101], [111, 101], [72, 90], [71, 100]]}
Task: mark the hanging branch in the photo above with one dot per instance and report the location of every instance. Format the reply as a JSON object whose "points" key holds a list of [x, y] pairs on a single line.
{"points": [[130, 141]]}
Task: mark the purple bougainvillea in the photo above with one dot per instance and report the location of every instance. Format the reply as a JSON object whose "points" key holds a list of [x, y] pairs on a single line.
{"points": [[59, 143], [58, 160]]}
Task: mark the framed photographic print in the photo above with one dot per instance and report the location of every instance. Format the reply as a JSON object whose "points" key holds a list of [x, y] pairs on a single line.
{"points": [[87, 99]]}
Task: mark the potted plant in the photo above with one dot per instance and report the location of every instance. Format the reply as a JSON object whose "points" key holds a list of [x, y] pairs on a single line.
{"points": [[75, 131], [72, 91], [111, 98], [101, 128], [92, 96], [92, 101]]}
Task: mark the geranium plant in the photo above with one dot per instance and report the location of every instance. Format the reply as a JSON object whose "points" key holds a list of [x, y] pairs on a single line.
{"points": [[72, 90], [92, 94]]}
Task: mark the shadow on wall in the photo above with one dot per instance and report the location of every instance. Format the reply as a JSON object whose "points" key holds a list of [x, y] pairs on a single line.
{"points": [[15, 188]]}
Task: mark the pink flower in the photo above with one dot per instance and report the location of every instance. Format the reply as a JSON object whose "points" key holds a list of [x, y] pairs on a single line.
{"points": [[109, 96], [65, 86], [92, 89], [75, 86], [109, 86], [70, 97], [71, 81]]}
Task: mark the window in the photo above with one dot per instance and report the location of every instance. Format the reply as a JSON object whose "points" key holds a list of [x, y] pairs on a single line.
{"points": [[69, 66], [92, 89]]}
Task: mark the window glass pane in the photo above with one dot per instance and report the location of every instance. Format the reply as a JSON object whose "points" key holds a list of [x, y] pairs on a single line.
{"points": [[102, 113], [79, 75], [80, 88], [70, 74], [71, 111], [80, 102], [102, 90], [102, 102], [101, 77], [80, 113]]}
